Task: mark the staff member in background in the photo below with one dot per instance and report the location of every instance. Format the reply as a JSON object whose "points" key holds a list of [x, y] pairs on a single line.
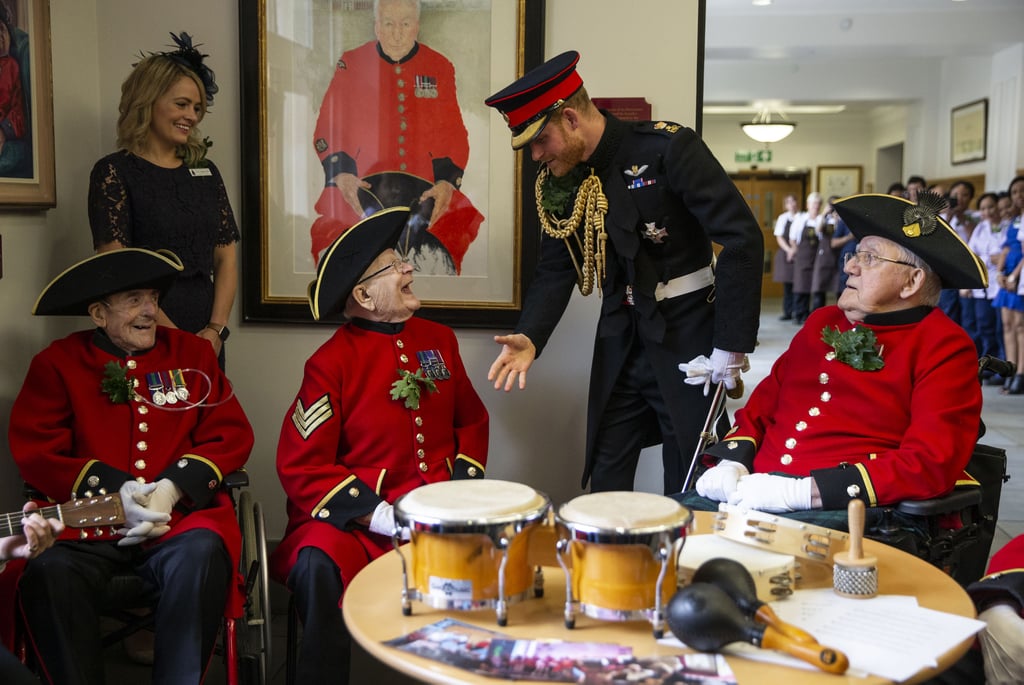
{"points": [[359, 434], [782, 265], [160, 191], [632, 208]]}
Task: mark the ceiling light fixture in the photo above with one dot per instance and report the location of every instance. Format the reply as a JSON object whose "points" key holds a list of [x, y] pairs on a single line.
{"points": [[764, 130]]}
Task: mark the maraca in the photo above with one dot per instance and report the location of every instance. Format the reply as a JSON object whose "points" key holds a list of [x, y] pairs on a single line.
{"points": [[734, 578], [705, 618]]}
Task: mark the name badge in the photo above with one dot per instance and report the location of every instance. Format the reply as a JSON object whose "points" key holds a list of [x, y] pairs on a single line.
{"points": [[203, 171]]}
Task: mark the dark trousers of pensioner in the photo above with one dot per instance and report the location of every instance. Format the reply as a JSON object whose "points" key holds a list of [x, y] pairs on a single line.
{"points": [[325, 654], [61, 590], [624, 426]]}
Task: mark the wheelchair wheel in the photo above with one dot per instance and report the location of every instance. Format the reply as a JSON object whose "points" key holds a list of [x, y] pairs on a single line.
{"points": [[253, 632]]}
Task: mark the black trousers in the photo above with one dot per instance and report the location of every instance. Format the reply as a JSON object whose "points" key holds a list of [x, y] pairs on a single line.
{"points": [[325, 654], [13, 672], [61, 594], [620, 436]]}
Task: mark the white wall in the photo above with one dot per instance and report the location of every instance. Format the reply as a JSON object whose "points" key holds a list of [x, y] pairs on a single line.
{"points": [[537, 435]]}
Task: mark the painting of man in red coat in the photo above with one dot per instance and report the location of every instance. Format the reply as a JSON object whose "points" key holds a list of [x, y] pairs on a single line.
{"points": [[390, 133]]}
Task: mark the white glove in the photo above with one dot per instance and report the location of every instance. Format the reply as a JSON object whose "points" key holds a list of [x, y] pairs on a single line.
{"points": [[722, 367], [383, 521], [719, 481], [164, 497], [140, 522], [698, 372], [727, 366], [1002, 645], [765, 492]]}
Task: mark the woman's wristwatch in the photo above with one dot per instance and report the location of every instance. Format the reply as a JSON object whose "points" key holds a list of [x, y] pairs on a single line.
{"points": [[222, 331]]}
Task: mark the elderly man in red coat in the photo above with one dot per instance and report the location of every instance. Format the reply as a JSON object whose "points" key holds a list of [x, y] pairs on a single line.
{"points": [[391, 117], [385, 405], [143, 410], [877, 398]]}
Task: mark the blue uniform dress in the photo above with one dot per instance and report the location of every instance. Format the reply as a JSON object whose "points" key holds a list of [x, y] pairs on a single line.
{"points": [[1009, 298]]}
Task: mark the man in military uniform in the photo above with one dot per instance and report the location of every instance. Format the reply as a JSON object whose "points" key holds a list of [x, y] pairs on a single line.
{"points": [[392, 107], [143, 410], [359, 434], [632, 208], [877, 397]]}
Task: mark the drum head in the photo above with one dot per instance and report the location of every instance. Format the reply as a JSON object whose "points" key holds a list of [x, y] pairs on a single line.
{"points": [[623, 513], [471, 502]]}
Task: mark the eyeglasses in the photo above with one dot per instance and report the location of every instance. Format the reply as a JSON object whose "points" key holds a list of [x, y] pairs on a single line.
{"points": [[868, 260], [133, 300], [396, 265]]}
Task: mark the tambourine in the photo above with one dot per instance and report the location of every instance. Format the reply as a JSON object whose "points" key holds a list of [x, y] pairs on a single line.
{"points": [[774, 574], [779, 534]]}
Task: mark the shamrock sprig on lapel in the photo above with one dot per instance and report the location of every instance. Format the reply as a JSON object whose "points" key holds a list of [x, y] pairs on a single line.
{"points": [[857, 347], [409, 386], [116, 383]]}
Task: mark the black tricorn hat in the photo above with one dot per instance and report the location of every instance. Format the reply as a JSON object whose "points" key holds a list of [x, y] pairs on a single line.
{"points": [[351, 254], [529, 102], [920, 229], [106, 273]]}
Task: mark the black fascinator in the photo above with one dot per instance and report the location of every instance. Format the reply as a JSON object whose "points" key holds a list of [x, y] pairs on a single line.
{"points": [[188, 56]]}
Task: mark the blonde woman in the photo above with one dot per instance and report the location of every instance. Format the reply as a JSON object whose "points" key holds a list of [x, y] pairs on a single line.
{"points": [[159, 190]]}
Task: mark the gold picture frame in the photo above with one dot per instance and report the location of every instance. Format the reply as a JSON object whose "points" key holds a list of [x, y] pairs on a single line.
{"points": [[27, 179], [840, 181], [968, 132]]}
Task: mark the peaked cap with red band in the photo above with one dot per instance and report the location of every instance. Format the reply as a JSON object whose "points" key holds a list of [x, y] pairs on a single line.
{"points": [[528, 103]]}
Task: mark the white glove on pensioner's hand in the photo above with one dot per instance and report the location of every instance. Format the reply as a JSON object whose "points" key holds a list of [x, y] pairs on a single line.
{"points": [[1002, 645], [765, 492], [720, 481], [140, 521], [382, 521], [164, 497]]}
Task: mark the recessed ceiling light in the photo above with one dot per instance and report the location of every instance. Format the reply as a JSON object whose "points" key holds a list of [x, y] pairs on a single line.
{"points": [[761, 3]]}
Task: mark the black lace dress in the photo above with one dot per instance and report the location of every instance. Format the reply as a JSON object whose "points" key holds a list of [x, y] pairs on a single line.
{"points": [[140, 204]]}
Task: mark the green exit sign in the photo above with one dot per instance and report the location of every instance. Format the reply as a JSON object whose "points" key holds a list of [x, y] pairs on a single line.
{"points": [[752, 156]]}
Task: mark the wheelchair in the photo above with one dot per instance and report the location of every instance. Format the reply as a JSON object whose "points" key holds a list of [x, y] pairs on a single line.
{"points": [[958, 528], [245, 641]]}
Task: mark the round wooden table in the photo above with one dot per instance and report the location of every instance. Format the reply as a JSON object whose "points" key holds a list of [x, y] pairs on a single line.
{"points": [[372, 609]]}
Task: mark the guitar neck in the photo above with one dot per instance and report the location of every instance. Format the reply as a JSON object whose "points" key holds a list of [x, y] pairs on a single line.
{"points": [[10, 523]]}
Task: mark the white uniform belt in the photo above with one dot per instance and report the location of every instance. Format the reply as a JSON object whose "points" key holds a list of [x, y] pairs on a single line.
{"points": [[687, 283]]}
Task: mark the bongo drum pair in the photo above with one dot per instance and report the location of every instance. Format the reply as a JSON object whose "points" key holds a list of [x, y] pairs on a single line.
{"points": [[469, 549]]}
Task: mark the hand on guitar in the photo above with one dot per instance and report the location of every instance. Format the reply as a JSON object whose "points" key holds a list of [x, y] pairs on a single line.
{"points": [[141, 520], [39, 534]]}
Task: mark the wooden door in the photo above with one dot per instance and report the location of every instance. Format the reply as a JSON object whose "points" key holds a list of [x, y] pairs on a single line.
{"points": [[764, 193]]}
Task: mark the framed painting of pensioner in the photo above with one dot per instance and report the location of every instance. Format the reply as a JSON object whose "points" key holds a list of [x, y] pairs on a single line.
{"points": [[388, 96]]}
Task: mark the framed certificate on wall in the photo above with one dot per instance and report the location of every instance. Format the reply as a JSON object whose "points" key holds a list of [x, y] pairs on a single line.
{"points": [[839, 180]]}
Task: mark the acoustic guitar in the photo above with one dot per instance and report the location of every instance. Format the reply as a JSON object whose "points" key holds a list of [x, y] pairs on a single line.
{"points": [[102, 514]]}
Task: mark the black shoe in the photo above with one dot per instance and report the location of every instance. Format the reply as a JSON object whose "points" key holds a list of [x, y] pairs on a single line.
{"points": [[786, 317], [1017, 386], [994, 380]]}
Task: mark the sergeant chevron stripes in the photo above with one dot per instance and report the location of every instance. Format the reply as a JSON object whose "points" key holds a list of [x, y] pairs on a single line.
{"points": [[308, 420]]}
